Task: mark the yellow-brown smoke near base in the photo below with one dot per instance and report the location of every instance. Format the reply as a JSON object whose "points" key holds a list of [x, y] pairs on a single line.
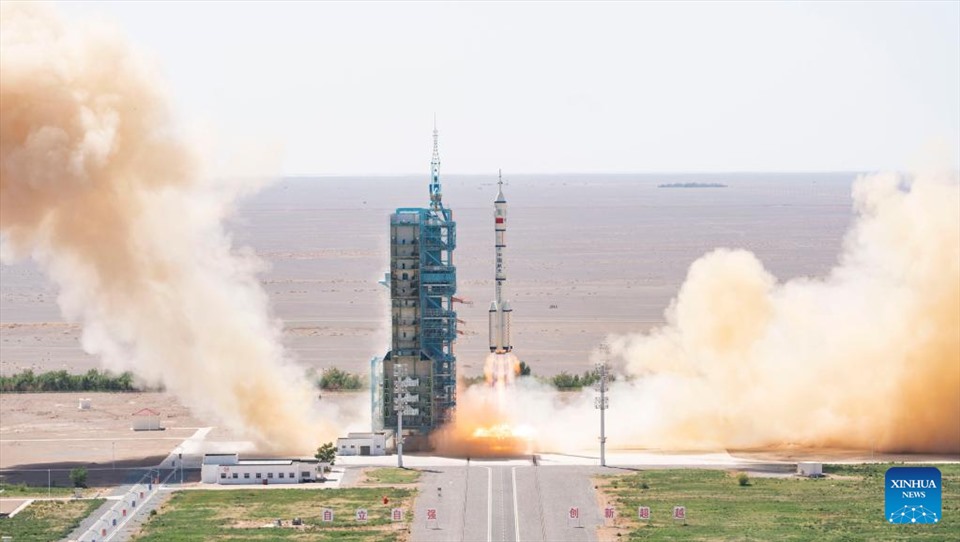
{"points": [[867, 357], [98, 190]]}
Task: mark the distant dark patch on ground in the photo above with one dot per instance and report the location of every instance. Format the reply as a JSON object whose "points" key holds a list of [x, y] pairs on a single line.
{"points": [[692, 185]]}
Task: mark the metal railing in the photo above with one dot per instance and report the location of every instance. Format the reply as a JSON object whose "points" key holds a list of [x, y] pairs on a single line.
{"points": [[110, 523]]}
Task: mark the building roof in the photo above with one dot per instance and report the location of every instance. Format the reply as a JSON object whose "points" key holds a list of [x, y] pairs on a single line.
{"points": [[254, 462], [146, 412], [365, 435]]}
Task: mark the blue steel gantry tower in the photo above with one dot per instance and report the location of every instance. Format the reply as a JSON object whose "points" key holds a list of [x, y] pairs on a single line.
{"points": [[423, 281]]}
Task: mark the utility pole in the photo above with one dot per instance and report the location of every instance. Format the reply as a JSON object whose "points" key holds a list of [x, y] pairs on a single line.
{"points": [[602, 403], [400, 401]]}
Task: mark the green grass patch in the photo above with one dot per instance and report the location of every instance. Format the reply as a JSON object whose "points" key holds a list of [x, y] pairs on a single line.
{"points": [[43, 521], [849, 507], [392, 475], [238, 515], [13, 491]]}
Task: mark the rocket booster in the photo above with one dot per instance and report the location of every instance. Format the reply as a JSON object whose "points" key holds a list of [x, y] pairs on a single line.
{"points": [[500, 310]]}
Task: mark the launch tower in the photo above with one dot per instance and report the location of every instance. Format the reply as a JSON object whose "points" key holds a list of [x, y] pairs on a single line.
{"points": [[422, 281]]}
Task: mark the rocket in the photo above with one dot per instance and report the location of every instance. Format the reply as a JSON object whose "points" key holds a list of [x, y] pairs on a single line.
{"points": [[500, 310]]}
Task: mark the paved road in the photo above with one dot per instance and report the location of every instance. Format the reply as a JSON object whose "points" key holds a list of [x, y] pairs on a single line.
{"points": [[506, 501]]}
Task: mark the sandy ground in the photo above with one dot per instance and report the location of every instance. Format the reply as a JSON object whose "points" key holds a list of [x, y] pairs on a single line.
{"points": [[587, 256], [49, 431], [46, 431], [7, 506]]}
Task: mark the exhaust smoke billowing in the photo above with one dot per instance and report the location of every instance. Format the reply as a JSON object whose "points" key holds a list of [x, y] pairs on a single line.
{"points": [[99, 191], [867, 357]]}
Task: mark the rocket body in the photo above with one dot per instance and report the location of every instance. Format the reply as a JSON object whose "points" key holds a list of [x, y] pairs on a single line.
{"points": [[500, 311]]}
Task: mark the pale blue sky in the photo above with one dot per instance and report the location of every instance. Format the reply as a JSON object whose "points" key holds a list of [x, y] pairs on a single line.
{"points": [[351, 88]]}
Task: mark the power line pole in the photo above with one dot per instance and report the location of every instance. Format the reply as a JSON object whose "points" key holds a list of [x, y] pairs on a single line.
{"points": [[401, 400], [602, 403]]}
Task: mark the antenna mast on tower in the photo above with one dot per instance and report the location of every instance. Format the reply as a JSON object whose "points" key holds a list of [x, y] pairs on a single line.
{"points": [[435, 194]]}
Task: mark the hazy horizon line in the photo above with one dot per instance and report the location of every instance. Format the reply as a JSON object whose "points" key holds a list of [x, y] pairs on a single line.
{"points": [[591, 173]]}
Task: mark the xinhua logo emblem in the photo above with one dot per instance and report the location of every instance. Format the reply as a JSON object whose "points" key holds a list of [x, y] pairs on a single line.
{"points": [[913, 495]]}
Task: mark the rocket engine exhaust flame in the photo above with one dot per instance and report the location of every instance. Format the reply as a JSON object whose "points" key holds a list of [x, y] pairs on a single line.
{"points": [[98, 191], [487, 424]]}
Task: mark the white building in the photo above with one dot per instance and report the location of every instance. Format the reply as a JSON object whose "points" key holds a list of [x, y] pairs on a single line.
{"points": [[146, 419], [229, 469], [364, 443]]}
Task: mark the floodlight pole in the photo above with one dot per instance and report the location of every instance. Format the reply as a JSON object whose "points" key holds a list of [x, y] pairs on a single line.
{"points": [[601, 402], [399, 405], [400, 435]]}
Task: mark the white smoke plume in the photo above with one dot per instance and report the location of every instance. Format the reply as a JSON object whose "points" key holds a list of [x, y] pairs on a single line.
{"points": [[96, 187]]}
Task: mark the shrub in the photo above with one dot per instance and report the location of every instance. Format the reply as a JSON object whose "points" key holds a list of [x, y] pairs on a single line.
{"points": [[743, 479], [93, 380], [567, 381], [334, 379], [326, 453], [472, 380], [79, 477]]}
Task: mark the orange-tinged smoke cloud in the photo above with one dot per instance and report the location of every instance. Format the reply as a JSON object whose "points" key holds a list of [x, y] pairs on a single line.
{"points": [[96, 188], [486, 424], [867, 357]]}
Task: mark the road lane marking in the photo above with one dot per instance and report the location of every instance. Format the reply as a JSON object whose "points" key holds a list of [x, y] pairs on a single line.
{"points": [[516, 515], [489, 504]]}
